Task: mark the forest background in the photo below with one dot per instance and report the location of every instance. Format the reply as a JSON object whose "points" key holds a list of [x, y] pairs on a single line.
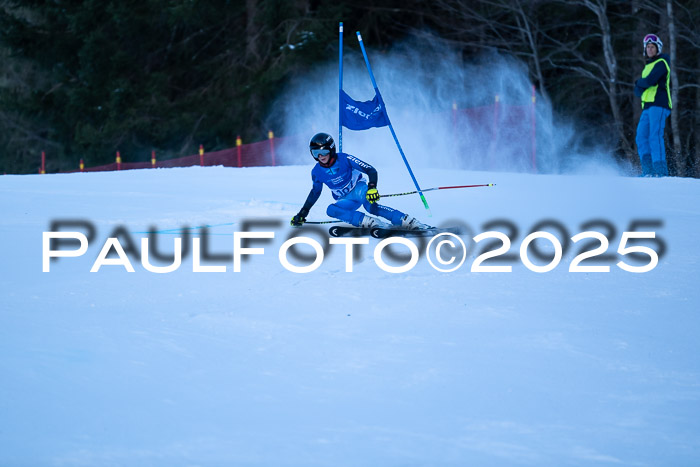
{"points": [[83, 79]]}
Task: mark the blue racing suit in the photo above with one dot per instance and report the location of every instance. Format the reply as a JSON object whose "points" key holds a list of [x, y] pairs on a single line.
{"points": [[345, 179]]}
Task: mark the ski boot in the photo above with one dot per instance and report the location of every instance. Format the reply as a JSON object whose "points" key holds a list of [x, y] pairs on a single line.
{"points": [[411, 223], [369, 222]]}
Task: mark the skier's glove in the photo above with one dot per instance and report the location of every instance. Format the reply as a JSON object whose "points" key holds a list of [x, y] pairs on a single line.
{"points": [[372, 194], [300, 218]]}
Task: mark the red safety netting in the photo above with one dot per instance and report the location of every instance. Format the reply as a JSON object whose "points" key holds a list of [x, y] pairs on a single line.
{"points": [[505, 136], [261, 153]]}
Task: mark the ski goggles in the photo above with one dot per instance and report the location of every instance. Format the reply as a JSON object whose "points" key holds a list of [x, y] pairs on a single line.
{"points": [[320, 152], [651, 38]]}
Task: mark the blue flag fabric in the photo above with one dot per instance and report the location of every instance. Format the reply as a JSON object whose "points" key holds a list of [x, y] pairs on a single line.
{"points": [[356, 115]]}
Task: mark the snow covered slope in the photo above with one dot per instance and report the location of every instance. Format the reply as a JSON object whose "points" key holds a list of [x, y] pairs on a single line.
{"points": [[270, 367]]}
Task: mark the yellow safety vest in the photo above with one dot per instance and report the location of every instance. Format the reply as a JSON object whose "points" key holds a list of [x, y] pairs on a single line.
{"points": [[650, 93]]}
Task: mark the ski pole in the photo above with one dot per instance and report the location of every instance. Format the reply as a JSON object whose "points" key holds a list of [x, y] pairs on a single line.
{"points": [[437, 188]]}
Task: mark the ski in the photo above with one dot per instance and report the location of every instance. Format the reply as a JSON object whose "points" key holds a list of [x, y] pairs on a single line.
{"points": [[378, 232], [348, 231], [431, 232]]}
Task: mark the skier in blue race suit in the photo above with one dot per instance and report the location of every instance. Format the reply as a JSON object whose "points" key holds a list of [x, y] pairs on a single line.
{"points": [[343, 174], [654, 87]]}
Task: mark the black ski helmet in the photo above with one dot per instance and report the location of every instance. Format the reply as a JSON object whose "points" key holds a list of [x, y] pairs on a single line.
{"points": [[320, 143]]}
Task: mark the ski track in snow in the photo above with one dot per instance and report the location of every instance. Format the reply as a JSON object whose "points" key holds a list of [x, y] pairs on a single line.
{"points": [[269, 367]]}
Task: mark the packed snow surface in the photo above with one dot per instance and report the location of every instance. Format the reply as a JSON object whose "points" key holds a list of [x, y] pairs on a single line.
{"points": [[269, 367]]}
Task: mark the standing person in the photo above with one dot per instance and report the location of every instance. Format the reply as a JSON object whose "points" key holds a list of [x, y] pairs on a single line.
{"points": [[654, 87], [343, 174]]}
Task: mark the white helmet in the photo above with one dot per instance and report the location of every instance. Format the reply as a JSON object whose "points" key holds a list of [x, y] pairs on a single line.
{"points": [[654, 39]]}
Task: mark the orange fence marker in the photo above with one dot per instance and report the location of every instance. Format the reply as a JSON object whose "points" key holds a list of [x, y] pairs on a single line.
{"points": [[153, 159], [43, 163], [239, 143], [201, 155], [82, 166], [271, 137], [119, 161]]}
